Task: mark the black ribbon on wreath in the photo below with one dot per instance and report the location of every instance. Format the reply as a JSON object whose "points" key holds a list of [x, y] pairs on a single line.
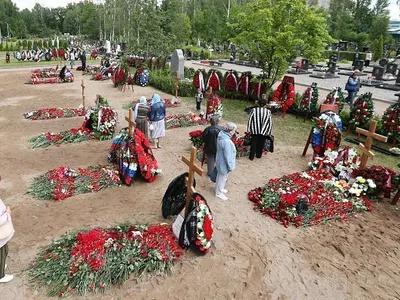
{"points": [[174, 198]]}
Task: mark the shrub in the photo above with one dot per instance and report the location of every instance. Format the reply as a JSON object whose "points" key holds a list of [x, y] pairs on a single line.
{"points": [[189, 72], [163, 81], [24, 44], [345, 116], [29, 45]]}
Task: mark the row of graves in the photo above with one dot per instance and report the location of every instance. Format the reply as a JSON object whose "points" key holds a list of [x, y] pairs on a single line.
{"points": [[93, 260], [47, 54]]}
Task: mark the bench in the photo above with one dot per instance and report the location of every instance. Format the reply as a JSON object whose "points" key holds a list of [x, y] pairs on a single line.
{"points": [[215, 63]]}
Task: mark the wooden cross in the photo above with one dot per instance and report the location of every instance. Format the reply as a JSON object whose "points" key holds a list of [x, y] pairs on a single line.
{"points": [[83, 94], [176, 85], [371, 136], [131, 123], [193, 168]]}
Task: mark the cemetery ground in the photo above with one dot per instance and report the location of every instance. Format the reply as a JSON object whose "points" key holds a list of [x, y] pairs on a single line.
{"points": [[253, 257]]}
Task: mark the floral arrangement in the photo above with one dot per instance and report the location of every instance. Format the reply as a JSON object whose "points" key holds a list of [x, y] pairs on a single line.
{"points": [[38, 79], [326, 133], [362, 186], [391, 122], [309, 198], [362, 110], [231, 81], [214, 106], [94, 260], [133, 154], [120, 76], [214, 80], [45, 72], [73, 135], [54, 113], [174, 102], [142, 76], [340, 163], [205, 229], [258, 86], [64, 182], [199, 79], [335, 97], [241, 143], [184, 120], [101, 121], [284, 95], [244, 83], [395, 150], [309, 100], [384, 178]]}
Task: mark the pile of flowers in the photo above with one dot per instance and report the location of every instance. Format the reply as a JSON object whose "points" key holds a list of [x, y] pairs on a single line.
{"points": [[384, 178], [362, 110], [310, 198], [242, 143], [284, 95], [133, 154], [54, 113], [335, 97], [50, 77], [174, 102], [64, 182], [391, 122], [93, 260], [327, 132], [99, 123], [184, 120], [309, 100]]}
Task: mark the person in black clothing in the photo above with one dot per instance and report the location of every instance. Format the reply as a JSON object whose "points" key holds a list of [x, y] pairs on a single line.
{"points": [[83, 61], [209, 136]]}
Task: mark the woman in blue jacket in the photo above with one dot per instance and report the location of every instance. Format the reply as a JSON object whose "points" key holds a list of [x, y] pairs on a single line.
{"points": [[157, 116], [225, 160], [352, 87]]}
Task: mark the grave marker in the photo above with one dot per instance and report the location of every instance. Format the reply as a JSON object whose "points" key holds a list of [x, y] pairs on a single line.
{"points": [[391, 68], [83, 95], [131, 123], [378, 72], [371, 136], [178, 63], [193, 168]]}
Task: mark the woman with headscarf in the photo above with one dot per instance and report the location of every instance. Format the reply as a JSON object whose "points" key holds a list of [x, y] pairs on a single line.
{"points": [[157, 122], [141, 115]]}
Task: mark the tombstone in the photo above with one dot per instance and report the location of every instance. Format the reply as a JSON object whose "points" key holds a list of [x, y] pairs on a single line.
{"points": [[108, 47], [343, 45], [331, 67], [357, 56], [378, 72], [178, 63], [391, 68], [304, 64], [359, 65], [398, 78], [383, 62]]}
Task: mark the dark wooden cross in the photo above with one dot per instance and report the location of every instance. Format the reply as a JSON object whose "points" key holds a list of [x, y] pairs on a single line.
{"points": [[131, 123], [83, 94], [176, 85], [193, 168], [371, 136]]}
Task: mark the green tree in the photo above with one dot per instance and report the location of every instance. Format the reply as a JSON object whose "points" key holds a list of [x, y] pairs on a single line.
{"points": [[29, 45], [377, 48], [276, 31]]}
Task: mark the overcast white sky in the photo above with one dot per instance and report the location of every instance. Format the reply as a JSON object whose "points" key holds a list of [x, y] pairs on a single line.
{"points": [[393, 8]]}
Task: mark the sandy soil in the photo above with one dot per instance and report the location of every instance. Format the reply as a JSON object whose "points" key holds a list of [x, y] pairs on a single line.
{"points": [[254, 257]]}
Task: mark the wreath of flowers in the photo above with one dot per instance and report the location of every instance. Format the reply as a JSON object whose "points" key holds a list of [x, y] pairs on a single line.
{"points": [[362, 110], [120, 76], [258, 86], [309, 100], [54, 52], [214, 106], [384, 178], [244, 83], [142, 76], [284, 95], [61, 53], [205, 228], [199, 79], [214, 80], [335, 97], [327, 132], [391, 122], [231, 81]]}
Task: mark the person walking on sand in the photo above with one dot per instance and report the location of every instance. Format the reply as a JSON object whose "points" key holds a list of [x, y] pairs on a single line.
{"points": [[260, 126], [209, 137], [6, 233], [225, 161], [157, 120]]}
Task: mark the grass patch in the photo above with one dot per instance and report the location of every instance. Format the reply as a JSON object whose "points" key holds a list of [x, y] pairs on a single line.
{"points": [[16, 63]]}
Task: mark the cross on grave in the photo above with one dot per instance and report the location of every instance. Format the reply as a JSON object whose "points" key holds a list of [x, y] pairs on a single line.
{"points": [[131, 123], [176, 85], [371, 136], [83, 94], [193, 168]]}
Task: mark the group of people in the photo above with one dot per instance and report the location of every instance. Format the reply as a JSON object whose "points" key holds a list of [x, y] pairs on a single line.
{"points": [[220, 151], [150, 119]]}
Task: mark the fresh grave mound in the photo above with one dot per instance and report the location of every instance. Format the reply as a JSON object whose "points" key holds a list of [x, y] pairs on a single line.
{"points": [[133, 156], [316, 196], [99, 124], [64, 76], [242, 144], [167, 102], [54, 113], [64, 182], [93, 260], [184, 120]]}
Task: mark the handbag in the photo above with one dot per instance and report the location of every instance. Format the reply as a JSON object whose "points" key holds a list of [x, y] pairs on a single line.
{"points": [[269, 143], [6, 230], [213, 175]]}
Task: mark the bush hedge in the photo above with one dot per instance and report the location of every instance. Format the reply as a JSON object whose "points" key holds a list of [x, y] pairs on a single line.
{"points": [[343, 55], [162, 80]]}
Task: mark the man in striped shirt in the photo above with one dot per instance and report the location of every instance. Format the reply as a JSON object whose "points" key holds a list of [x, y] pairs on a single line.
{"points": [[259, 126]]}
